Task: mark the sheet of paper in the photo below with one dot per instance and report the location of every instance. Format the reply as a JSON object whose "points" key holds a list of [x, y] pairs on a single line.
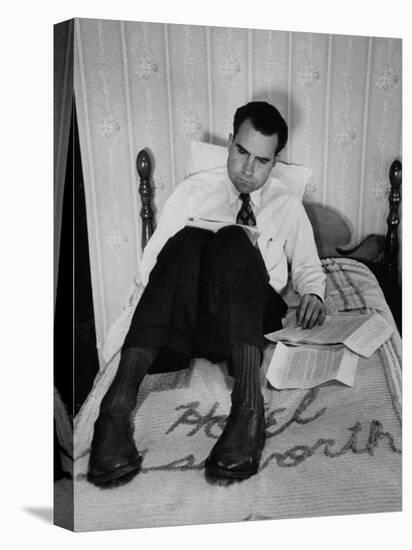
{"points": [[214, 225], [363, 334], [304, 367], [369, 336]]}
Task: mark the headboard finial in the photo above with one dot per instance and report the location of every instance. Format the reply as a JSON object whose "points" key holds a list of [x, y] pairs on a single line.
{"points": [[144, 165], [395, 174], [144, 169]]}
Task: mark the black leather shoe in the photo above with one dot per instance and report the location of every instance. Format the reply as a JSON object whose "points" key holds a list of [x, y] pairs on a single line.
{"points": [[114, 459], [236, 454]]}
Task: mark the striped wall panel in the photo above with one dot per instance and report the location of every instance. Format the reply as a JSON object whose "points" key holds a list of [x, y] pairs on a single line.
{"points": [[160, 86]]}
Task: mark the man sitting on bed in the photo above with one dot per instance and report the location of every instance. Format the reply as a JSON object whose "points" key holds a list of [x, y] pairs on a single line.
{"points": [[214, 294]]}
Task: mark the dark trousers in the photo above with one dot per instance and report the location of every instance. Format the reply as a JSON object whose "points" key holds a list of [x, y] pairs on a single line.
{"points": [[207, 291]]}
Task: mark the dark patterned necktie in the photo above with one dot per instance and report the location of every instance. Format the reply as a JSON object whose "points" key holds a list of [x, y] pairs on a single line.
{"points": [[245, 215]]}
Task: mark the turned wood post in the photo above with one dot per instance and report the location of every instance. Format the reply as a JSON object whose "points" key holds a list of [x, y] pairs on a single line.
{"points": [[392, 243], [144, 169]]}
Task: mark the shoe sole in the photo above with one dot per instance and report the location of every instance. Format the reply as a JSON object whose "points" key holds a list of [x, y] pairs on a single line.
{"points": [[220, 473], [116, 477]]}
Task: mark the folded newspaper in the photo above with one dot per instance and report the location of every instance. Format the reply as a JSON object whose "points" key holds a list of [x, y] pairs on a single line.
{"points": [[304, 358], [308, 366], [214, 225]]}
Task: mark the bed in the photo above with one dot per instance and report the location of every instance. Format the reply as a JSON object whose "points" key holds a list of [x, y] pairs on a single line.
{"points": [[330, 450]]}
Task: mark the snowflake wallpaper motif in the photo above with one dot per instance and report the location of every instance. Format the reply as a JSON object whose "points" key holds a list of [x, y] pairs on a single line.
{"points": [[379, 190], [387, 80], [346, 136], [310, 76], [190, 125], [230, 68], [109, 127], [145, 66], [117, 239], [158, 183]]}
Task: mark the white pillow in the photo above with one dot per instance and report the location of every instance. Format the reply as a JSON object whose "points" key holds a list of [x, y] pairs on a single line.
{"points": [[206, 156]]}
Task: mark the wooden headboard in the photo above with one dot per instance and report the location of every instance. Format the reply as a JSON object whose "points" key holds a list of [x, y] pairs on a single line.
{"points": [[332, 233]]}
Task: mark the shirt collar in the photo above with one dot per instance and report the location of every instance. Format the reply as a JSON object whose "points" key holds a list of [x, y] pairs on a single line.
{"points": [[233, 193]]}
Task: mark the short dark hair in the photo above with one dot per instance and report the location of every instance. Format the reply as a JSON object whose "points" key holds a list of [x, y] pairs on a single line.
{"points": [[265, 118]]}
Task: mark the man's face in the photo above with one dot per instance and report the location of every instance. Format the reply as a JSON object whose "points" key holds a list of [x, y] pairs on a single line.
{"points": [[251, 158]]}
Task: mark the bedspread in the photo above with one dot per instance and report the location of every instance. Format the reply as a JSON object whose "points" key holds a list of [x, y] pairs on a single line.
{"points": [[329, 450]]}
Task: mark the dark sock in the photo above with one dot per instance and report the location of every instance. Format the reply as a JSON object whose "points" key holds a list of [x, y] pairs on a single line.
{"points": [[246, 362], [133, 366]]}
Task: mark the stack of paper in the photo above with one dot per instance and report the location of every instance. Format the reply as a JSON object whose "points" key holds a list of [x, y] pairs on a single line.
{"points": [[305, 358]]}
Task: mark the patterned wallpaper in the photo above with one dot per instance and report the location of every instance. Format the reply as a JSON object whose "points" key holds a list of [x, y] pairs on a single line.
{"points": [[149, 85]]}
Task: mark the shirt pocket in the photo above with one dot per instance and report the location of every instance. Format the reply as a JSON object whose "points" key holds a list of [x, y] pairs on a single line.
{"points": [[271, 248]]}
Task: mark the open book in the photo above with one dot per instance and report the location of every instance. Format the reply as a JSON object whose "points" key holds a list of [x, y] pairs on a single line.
{"points": [[362, 334], [214, 225]]}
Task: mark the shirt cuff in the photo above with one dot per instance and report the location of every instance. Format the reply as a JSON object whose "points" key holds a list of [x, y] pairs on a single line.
{"points": [[317, 296], [316, 290]]}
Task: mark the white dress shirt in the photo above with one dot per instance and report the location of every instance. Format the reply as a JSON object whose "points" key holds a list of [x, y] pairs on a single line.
{"points": [[286, 236]]}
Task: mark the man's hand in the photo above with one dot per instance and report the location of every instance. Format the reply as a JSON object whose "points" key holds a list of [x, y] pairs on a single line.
{"points": [[311, 310]]}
